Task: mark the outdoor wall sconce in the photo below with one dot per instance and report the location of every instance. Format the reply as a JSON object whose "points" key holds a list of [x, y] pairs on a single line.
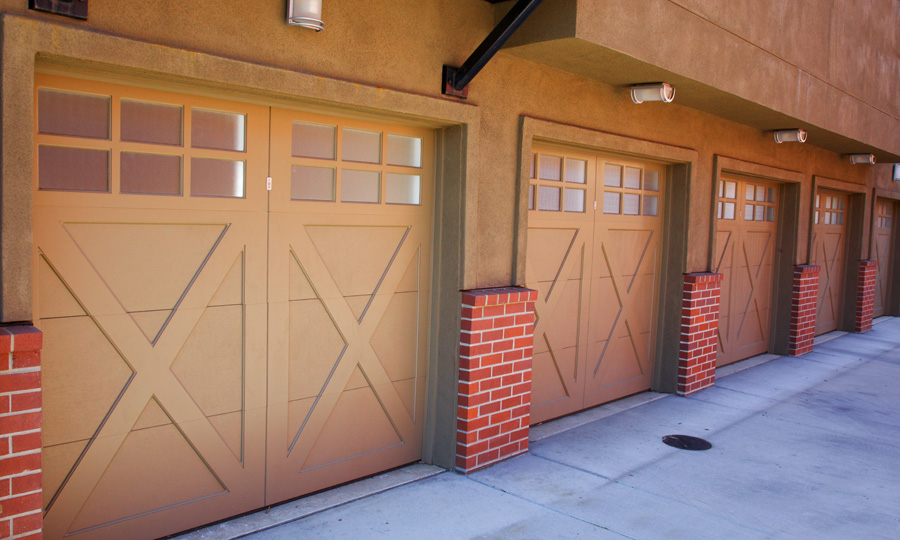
{"points": [[305, 13], [652, 92], [868, 159], [790, 135]]}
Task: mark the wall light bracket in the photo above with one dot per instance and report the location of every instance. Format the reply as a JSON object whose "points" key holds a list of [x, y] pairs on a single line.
{"points": [[653, 92], [790, 135]]}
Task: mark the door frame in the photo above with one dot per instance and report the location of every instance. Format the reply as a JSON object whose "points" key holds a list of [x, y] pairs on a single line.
{"points": [[787, 234], [679, 163]]}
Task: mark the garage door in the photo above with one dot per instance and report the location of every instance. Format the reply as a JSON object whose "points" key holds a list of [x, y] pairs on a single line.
{"points": [[594, 237], [746, 229], [883, 232], [211, 346], [828, 247]]}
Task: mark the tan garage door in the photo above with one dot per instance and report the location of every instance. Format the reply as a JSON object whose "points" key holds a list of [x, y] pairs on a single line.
{"points": [[594, 237], [883, 232], [828, 246], [210, 346], [746, 227]]}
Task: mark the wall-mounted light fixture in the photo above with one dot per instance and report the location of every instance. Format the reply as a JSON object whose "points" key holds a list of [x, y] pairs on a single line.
{"points": [[652, 92], [790, 135], [305, 13], [868, 159]]}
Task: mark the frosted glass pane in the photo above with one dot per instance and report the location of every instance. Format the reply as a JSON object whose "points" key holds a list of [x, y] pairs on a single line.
{"points": [[404, 151], [402, 188], [217, 130], [611, 203], [840, 219], [631, 204], [531, 197], [721, 188], [312, 183], [827, 218], [68, 113], [729, 210], [719, 210], [551, 168], [312, 140], [817, 202], [361, 146], [760, 194], [548, 198], [360, 186], [770, 213], [827, 202], [217, 178], [576, 171], [153, 123], [651, 181], [612, 176], [651, 206], [749, 196], [760, 213], [771, 195], [533, 159], [73, 169], [748, 212], [816, 218], [574, 200], [840, 205], [632, 178], [730, 190], [150, 173]]}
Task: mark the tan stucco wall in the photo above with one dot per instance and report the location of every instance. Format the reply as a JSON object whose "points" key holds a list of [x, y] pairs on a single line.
{"points": [[377, 55]]}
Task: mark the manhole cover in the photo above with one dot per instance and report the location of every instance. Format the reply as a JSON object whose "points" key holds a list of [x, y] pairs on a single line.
{"points": [[686, 442]]}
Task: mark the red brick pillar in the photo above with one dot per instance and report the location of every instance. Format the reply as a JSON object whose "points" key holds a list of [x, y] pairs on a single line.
{"points": [[495, 348], [699, 323], [20, 432], [865, 296], [803, 309]]}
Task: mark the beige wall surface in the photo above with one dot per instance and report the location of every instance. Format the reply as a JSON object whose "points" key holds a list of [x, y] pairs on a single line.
{"points": [[401, 45]]}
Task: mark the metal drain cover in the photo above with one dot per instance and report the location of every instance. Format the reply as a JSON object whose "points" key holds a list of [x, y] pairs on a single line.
{"points": [[686, 442]]}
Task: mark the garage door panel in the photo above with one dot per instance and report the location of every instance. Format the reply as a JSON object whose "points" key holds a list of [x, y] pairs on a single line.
{"points": [[828, 246], [556, 372], [554, 246], [883, 233]]}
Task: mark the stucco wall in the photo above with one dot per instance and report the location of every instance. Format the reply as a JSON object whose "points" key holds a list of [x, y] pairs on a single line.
{"points": [[401, 44]]}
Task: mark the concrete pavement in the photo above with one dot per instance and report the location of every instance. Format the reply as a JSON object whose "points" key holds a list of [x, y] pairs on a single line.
{"points": [[803, 447]]}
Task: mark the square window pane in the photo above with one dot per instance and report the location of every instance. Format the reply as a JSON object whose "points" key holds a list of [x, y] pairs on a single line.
{"points": [[612, 176], [651, 205], [312, 183], [73, 169], [632, 178], [721, 188], [729, 210], [631, 204], [402, 188], [719, 210], [155, 123], [404, 151], [771, 195], [361, 146], [770, 213], [217, 178], [749, 195], [840, 205], [611, 202], [840, 219], [551, 168], [574, 200], [748, 212], [816, 218], [576, 171], [312, 140], [218, 130], [531, 197], [760, 194], [827, 218], [760, 213], [360, 186], [817, 202], [70, 113], [827, 202], [150, 173], [731, 190], [548, 198], [651, 180]]}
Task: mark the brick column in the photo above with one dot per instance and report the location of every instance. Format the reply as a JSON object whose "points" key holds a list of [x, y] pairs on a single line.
{"points": [[699, 323], [495, 349], [865, 296], [803, 309], [20, 432]]}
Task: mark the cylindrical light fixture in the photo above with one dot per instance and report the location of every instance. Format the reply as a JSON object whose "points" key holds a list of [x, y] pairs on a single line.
{"points": [[790, 135], [652, 92], [868, 159], [305, 13]]}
